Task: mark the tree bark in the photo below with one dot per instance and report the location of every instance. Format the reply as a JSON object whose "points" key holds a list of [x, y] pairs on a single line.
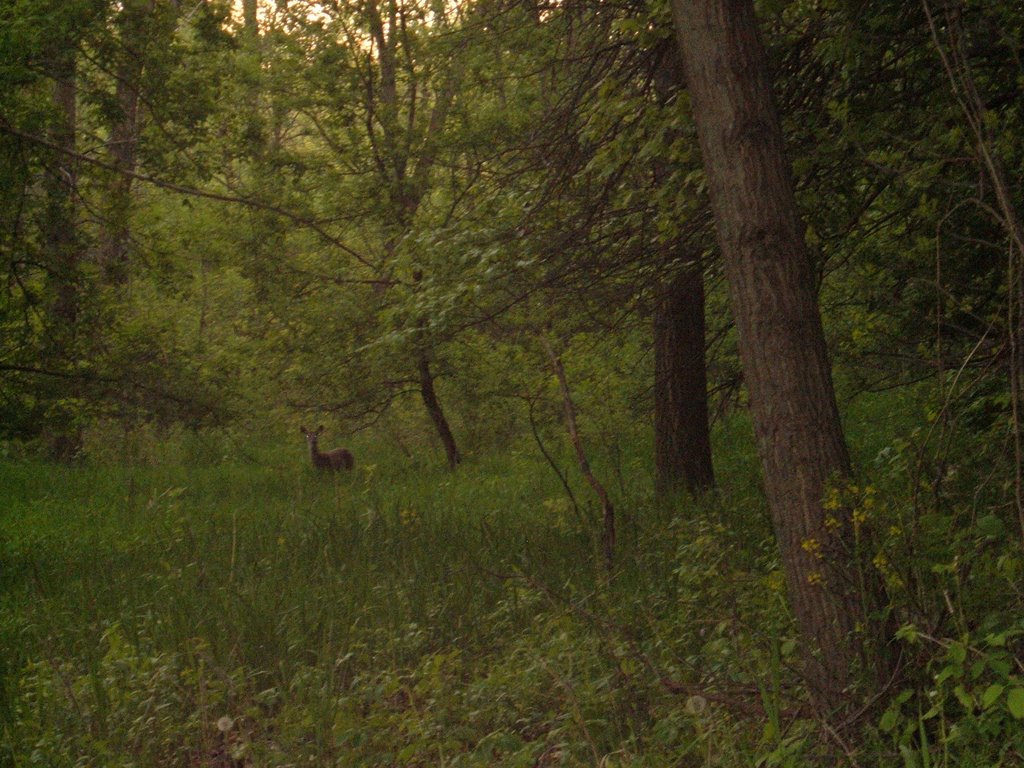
{"points": [[116, 234], [250, 19], [682, 438], [123, 143], [782, 344], [433, 406]]}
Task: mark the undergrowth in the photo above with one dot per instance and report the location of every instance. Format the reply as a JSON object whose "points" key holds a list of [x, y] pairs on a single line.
{"points": [[257, 614]]}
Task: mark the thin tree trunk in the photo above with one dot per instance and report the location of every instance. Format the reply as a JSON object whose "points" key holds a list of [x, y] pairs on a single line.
{"points": [[782, 344], [682, 439], [122, 146], [391, 145], [433, 406], [62, 247], [250, 22], [61, 235], [569, 407]]}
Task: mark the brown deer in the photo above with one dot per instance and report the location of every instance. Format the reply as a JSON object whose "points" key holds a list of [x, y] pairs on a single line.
{"points": [[339, 458]]}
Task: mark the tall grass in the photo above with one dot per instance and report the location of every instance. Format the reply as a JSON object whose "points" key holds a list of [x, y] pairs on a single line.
{"points": [[271, 572], [249, 611], [263, 560]]}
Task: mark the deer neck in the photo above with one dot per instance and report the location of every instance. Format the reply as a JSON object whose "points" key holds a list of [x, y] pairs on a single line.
{"points": [[314, 453]]}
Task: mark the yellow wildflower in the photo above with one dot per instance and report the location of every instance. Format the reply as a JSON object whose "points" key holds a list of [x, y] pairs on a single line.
{"points": [[812, 547]]}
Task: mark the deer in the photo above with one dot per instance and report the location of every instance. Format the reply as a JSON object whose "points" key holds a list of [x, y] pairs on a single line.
{"points": [[332, 461]]}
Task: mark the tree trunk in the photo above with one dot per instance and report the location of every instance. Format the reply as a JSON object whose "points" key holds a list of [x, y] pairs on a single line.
{"points": [[62, 248], [569, 408], [250, 22], [782, 345], [123, 143], [433, 405], [61, 235], [682, 439]]}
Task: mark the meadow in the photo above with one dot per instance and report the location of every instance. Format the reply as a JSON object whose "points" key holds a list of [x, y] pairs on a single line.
{"points": [[400, 614], [215, 609]]}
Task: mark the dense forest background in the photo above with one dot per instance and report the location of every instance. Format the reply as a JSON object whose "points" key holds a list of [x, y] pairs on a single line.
{"points": [[680, 352]]}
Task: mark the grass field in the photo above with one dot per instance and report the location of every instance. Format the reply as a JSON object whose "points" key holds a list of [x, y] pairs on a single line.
{"points": [[398, 615], [255, 613]]}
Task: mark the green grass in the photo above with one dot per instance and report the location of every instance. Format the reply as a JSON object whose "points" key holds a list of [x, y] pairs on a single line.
{"points": [[222, 548], [270, 575], [399, 615]]}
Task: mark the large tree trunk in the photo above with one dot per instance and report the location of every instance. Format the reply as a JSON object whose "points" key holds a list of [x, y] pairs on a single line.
{"points": [[782, 345], [682, 440]]}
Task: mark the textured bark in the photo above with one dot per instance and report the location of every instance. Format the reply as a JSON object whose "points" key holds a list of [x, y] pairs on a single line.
{"points": [[682, 439], [782, 345]]}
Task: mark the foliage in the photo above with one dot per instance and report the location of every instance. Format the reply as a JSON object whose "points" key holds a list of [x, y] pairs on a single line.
{"points": [[318, 202]]}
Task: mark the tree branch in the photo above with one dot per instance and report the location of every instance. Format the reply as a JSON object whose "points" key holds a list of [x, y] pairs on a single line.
{"points": [[182, 189]]}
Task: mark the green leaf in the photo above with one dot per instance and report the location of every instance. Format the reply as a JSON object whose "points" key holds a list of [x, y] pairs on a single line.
{"points": [[978, 669], [964, 697], [889, 720], [907, 632], [991, 526], [957, 653], [1000, 666], [909, 756], [991, 694], [1015, 703], [994, 640]]}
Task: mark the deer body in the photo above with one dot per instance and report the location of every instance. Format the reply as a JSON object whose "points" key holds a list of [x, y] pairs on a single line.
{"points": [[332, 461]]}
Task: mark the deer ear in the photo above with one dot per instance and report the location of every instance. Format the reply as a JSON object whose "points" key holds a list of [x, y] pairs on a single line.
{"points": [[320, 429]]}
